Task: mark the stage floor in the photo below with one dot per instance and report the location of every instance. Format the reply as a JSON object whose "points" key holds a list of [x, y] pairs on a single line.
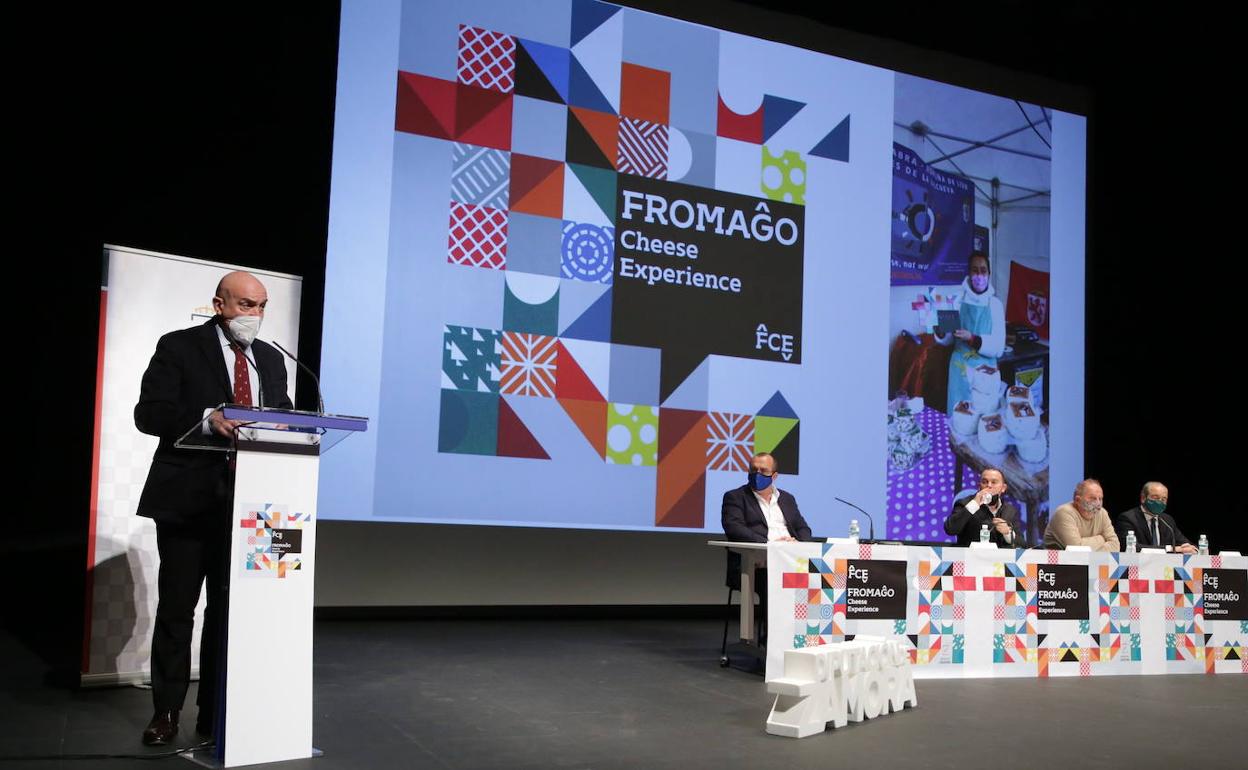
{"points": [[635, 694]]}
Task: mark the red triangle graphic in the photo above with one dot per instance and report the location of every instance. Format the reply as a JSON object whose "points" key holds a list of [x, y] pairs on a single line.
{"points": [[514, 439], [483, 117], [689, 510], [571, 381], [674, 424], [425, 106], [591, 418]]}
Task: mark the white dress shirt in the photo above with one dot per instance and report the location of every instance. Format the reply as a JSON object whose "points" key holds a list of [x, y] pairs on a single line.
{"points": [[777, 529]]}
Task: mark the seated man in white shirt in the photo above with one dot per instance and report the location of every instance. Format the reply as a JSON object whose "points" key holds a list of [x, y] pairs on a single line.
{"points": [[760, 512]]}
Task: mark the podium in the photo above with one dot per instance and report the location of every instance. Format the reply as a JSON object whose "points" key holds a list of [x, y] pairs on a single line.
{"points": [[265, 708]]}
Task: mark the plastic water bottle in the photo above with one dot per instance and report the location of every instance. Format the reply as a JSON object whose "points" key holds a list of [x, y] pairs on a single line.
{"points": [[1203, 546], [853, 530], [983, 533], [1131, 541]]}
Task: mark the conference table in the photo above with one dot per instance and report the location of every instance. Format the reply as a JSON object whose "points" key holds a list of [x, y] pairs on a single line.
{"points": [[990, 612]]}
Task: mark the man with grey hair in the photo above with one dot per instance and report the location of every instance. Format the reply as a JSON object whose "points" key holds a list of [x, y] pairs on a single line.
{"points": [[188, 492], [1152, 525], [1083, 521]]}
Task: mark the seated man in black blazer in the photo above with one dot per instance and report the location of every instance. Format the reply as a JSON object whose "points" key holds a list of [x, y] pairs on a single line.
{"points": [[988, 506], [758, 511], [1153, 527]]}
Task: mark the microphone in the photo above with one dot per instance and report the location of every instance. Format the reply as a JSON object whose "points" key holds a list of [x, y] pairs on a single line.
{"points": [[316, 380], [1173, 539], [870, 521]]}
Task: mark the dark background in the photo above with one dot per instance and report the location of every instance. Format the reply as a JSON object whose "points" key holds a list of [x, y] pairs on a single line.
{"points": [[207, 131]]}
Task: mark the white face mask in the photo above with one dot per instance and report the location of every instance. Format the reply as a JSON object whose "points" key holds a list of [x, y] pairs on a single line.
{"points": [[244, 328]]}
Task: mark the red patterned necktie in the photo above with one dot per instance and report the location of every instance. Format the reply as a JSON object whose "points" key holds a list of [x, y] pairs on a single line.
{"points": [[242, 378]]}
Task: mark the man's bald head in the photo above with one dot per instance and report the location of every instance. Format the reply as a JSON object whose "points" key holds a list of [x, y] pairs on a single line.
{"points": [[240, 293]]}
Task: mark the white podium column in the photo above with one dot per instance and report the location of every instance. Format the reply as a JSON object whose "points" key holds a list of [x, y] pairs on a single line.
{"points": [[268, 688]]}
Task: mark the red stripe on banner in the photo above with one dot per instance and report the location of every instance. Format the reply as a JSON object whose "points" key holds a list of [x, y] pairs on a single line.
{"points": [[1163, 586], [963, 583], [95, 486], [994, 584], [1138, 586], [795, 580]]}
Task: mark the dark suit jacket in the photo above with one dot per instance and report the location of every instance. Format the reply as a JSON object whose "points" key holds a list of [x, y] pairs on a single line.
{"points": [[1134, 520], [187, 374], [743, 518], [965, 524]]}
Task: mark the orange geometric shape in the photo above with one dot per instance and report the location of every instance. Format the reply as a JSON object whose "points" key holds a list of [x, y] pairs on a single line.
{"points": [[425, 106], [680, 494], [603, 129], [645, 93], [590, 417], [537, 186], [572, 382]]}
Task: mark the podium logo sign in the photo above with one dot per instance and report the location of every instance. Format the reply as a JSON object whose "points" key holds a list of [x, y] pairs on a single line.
{"points": [[1225, 591], [270, 541], [875, 589], [1062, 591]]}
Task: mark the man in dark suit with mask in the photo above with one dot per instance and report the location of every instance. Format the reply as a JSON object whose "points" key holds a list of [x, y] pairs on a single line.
{"points": [[188, 492], [989, 507], [1153, 527], [758, 511]]}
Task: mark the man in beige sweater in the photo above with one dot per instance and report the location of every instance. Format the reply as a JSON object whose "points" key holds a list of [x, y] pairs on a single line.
{"points": [[1082, 521]]}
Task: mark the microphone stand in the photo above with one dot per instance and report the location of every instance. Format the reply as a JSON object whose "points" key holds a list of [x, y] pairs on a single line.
{"points": [[870, 521]]}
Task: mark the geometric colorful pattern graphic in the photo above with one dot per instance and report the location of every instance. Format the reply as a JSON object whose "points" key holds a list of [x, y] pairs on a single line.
{"points": [[588, 252], [480, 175], [486, 59], [680, 494], [983, 612], [471, 359], [1184, 610], [632, 434], [528, 365], [730, 441], [643, 148], [939, 632], [274, 544], [478, 236], [542, 140], [784, 176], [823, 590]]}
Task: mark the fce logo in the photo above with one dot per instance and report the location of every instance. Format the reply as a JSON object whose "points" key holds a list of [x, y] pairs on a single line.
{"points": [[775, 342]]}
